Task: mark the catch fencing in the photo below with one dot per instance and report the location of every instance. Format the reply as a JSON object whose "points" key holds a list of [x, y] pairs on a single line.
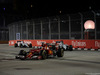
{"points": [[68, 26]]}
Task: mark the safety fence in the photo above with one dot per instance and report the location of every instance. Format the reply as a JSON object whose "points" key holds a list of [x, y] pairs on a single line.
{"points": [[83, 44], [4, 35], [68, 26]]}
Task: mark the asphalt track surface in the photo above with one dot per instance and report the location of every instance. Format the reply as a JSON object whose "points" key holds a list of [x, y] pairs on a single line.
{"points": [[77, 62]]}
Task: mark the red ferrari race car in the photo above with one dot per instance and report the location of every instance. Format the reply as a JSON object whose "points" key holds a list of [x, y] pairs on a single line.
{"points": [[44, 52]]}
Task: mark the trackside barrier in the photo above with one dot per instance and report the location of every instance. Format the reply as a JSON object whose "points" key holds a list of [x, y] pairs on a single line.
{"points": [[4, 42], [80, 44]]}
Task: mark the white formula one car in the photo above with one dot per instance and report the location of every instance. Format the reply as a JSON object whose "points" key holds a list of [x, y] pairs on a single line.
{"points": [[21, 44], [65, 46]]}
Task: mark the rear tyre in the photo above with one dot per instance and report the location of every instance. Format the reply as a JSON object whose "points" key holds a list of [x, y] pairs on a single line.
{"points": [[30, 45], [54, 53], [16, 45], [21, 45], [70, 48], [43, 53], [60, 52]]}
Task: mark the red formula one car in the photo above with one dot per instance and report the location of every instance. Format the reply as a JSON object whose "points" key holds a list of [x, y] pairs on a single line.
{"points": [[45, 51]]}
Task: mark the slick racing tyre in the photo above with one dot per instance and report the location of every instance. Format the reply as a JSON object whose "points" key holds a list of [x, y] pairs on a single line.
{"points": [[43, 54], [70, 48], [21, 55], [21, 45], [54, 53], [22, 52], [30, 45], [60, 52], [16, 45]]}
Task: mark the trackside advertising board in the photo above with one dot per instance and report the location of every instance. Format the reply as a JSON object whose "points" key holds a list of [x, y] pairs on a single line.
{"points": [[90, 44]]}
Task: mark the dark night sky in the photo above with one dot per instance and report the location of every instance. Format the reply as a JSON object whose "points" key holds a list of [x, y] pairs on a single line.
{"points": [[28, 9], [51, 7]]}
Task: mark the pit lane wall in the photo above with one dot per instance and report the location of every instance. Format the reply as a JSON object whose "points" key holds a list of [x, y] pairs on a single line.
{"points": [[89, 44]]}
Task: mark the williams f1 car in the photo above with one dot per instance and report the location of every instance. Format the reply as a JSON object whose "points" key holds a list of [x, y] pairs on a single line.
{"points": [[22, 44], [66, 47]]}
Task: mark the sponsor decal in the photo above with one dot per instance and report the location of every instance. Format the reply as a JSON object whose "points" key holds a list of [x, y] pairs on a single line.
{"points": [[12, 42], [9, 42], [78, 43], [97, 44], [40, 42], [28, 42], [53, 41]]}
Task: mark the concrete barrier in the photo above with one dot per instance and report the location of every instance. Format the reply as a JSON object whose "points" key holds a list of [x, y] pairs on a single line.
{"points": [[79, 44], [4, 42]]}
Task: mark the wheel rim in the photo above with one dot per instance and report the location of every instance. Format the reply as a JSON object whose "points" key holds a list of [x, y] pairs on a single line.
{"points": [[44, 55]]}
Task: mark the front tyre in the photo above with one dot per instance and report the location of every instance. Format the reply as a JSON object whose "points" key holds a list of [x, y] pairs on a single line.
{"points": [[22, 52]]}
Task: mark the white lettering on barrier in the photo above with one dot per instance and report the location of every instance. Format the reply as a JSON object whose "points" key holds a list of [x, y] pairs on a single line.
{"points": [[53, 41], [28, 42], [76, 43], [40, 42], [97, 44], [9, 42], [12, 42]]}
